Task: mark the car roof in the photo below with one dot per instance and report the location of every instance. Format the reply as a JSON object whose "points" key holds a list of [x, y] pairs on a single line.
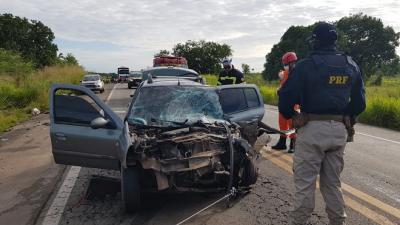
{"points": [[172, 82], [169, 67]]}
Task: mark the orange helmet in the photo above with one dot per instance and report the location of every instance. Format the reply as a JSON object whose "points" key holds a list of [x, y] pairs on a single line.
{"points": [[289, 57]]}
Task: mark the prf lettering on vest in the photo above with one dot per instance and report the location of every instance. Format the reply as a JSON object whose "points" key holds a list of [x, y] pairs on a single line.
{"points": [[338, 79]]}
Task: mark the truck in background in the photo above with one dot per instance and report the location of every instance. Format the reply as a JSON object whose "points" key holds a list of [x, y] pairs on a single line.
{"points": [[123, 74]]}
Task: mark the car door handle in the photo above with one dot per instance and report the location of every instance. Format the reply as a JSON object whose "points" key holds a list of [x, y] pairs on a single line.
{"points": [[61, 136]]}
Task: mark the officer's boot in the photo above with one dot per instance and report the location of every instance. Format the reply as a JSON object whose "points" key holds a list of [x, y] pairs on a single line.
{"points": [[281, 145], [291, 146]]}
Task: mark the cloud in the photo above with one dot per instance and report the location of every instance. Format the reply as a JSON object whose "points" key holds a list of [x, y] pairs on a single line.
{"points": [[105, 34]]}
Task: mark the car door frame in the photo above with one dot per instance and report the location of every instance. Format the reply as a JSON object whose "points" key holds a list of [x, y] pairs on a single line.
{"points": [[257, 111], [117, 135]]}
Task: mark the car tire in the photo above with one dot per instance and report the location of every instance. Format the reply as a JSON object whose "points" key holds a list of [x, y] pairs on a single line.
{"points": [[250, 172], [102, 90], [130, 189]]}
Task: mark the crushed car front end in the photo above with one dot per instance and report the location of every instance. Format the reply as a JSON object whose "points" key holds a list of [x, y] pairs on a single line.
{"points": [[184, 144]]}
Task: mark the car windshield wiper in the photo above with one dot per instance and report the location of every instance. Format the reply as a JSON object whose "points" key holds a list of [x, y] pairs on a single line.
{"points": [[168, 121]]}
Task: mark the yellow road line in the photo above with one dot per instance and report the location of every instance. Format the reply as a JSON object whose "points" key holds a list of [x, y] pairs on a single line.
{"points": [[357, 193], [377, 218]]}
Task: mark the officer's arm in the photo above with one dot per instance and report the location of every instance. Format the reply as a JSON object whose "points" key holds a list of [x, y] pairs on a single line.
{"points": [[290, 93], [357, 98]]}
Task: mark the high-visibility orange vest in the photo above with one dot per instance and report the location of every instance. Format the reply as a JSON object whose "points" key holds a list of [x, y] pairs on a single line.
{"points": [[283, 81]]}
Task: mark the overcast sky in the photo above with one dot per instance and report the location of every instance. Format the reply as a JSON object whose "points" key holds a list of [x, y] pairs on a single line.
{"points": [[105, 34]]}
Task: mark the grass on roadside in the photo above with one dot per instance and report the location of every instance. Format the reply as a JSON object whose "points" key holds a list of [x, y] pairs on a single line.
{"points": [[383, 102], [19, 93]]}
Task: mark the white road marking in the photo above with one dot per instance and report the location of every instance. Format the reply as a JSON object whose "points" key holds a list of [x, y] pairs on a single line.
{"points": [[379, 138], [364, 134], [56, 209]]}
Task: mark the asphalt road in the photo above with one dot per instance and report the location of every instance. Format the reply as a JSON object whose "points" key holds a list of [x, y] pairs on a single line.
{"points": [[371, 186]]}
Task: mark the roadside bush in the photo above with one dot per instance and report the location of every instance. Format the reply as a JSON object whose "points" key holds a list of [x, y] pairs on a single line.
{"points": [[19, 93], [384, 112], [11, 63]]}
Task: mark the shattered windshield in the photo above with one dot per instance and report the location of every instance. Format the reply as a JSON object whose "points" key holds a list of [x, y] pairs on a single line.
{"points": [[175, 105]]}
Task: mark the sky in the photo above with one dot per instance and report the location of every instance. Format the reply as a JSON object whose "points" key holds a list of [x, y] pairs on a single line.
{"points": [[104, 34]]}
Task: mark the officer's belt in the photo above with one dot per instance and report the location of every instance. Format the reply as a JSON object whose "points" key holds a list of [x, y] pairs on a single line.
{"points": [[324, 117]]}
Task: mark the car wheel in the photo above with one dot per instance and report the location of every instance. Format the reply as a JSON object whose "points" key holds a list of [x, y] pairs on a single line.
{"points": [[130, 189], [250, 172], [102, 90]]}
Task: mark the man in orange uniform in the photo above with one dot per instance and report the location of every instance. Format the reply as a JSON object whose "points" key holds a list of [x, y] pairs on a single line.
{"points": [[288, 60]]}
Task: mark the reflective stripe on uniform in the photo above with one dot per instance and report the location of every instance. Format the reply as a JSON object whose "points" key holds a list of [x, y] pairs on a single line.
{"points": [[228, 78]]}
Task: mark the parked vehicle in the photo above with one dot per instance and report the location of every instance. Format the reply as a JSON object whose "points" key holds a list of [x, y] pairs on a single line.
{"points": [[123, 73], [178, 135], [93, 82], [170, 72], [135, 78]]}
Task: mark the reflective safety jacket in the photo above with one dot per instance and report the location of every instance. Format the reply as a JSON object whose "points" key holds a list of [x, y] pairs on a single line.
{"points": [[233, 76]]}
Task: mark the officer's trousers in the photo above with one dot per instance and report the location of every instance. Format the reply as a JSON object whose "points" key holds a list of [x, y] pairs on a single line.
{"points": [[319, 151]]}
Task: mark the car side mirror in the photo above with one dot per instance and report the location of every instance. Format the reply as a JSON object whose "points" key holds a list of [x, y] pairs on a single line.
{"points": [[99, 122]]}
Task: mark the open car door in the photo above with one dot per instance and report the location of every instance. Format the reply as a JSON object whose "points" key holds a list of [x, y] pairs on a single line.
{"points": [[241, 102], [83, 130]]}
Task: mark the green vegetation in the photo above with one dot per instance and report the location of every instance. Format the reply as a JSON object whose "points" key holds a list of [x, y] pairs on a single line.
{"points": [[383, 104], [371, 44], [22, 88], [383, 101], [202, 56]]}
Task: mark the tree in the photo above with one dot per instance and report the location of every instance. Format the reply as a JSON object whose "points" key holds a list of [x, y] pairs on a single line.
{"points": [[32, 39], [67, 60], [71, 60], [364, 38], [292, 40], [368, 42], [12, 63], [203, 56], [162, 53], [246, 68]]}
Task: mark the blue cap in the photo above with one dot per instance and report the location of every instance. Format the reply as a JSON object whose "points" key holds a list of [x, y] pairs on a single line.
{"points": [[325, 32]]}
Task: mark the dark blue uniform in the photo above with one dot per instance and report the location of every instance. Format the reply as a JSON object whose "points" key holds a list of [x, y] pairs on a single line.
{"points": [[326, 82], [232, 76]]}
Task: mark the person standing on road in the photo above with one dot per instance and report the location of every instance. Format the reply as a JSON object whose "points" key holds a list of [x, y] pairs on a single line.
{"points": [[230, 75], [288, 61], [328, 86]]}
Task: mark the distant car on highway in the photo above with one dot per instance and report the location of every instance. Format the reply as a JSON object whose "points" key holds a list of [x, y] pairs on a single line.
{"points": [[134, 79], [178, 135], [93, 82], [161, 72]]}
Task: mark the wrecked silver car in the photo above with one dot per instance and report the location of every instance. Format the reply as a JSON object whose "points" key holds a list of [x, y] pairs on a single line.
{"points": [[177, 135]]}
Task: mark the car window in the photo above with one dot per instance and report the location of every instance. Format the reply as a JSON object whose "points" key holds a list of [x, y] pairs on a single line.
{"points": [[251, 97], [75, 108], [232, 100]]}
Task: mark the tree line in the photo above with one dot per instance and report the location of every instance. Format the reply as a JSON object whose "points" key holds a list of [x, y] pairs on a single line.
{"points": [[32, 40], [371, 44]]}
